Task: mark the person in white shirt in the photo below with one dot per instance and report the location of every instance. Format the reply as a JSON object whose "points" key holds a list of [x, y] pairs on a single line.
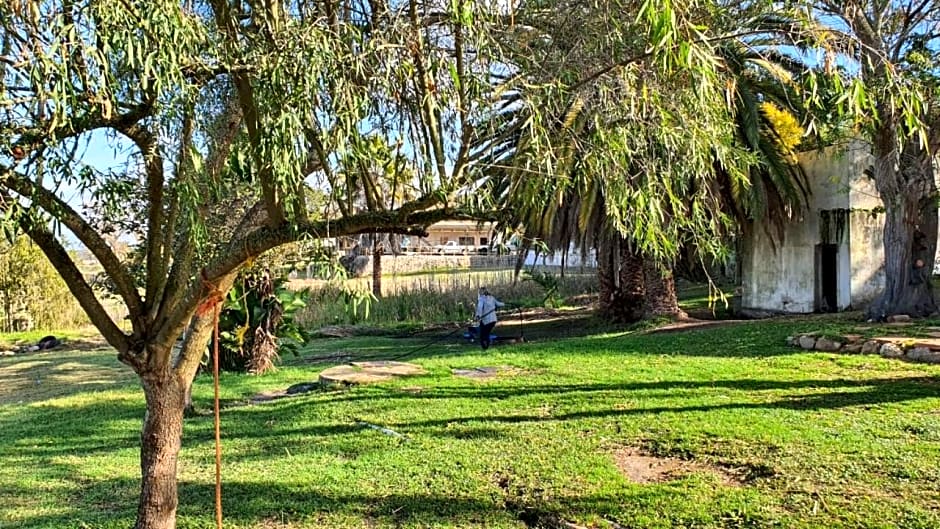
{"points": [[486, 315]]}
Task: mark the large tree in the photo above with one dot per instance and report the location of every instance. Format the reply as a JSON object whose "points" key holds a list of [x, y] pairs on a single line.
{"points": [[222, 105], [889, 50]]}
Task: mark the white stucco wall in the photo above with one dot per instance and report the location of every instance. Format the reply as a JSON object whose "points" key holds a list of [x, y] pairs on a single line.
{"points": [[868, 256], [780, 275]]}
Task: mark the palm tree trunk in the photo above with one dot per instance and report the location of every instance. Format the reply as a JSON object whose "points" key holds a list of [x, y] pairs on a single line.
{"points": [[630, 297], [661, 299], [606, 279]]}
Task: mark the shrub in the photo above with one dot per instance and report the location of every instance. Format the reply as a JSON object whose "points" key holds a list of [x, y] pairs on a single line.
{"points": [[428, 298]]}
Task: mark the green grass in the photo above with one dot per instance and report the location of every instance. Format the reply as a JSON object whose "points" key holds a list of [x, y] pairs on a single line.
{"points": [[820, 440]]}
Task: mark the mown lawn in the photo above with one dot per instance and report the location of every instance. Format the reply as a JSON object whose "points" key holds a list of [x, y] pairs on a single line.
{"points": [[816, 440]]}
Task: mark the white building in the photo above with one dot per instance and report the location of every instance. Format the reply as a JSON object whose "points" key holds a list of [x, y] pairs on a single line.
{"points": [[833, 257]]}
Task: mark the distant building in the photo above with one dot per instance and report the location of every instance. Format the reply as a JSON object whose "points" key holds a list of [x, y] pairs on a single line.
{"points": [[830, 259], [463, 232]]}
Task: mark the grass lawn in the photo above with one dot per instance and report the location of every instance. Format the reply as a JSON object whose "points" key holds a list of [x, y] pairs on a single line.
{"points": [[810, 439]]}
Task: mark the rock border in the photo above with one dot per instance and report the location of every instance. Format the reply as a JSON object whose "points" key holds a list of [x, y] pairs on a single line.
{"points": [[903, 348]]}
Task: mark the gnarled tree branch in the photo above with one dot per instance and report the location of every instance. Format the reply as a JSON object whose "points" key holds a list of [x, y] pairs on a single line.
{"points": [[59, 257]]}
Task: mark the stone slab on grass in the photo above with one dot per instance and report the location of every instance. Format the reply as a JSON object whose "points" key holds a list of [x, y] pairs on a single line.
{"points": [[477, 372], [368, 372]]}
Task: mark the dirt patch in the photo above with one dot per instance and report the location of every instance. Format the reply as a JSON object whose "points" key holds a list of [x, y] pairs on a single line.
{"points": [[642, 468]]}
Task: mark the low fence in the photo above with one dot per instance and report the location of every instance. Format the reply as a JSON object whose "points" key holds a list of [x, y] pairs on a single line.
{"points": [[414, 264]]}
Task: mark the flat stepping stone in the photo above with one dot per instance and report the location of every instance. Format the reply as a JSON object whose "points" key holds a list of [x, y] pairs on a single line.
{"points": [[368, 372], [487, 372], [477, 372]]}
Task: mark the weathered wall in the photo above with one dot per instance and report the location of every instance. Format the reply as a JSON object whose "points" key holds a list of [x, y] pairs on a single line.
{"points": [[778, 277], [868, 256], [781, 275]]}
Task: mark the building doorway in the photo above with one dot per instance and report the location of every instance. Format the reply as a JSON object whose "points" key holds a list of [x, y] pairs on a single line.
{"points": [[827, 278]]}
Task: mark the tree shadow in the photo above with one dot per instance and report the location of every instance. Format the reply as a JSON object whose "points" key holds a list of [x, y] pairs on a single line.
{"points": [[718, 339], [877, 392], [98, 427], [650, 389], [45, 431], [283, 505], [39, 376], [332, 431]]}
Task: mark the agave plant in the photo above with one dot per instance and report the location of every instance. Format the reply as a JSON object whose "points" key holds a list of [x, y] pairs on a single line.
{"points": [[257, 322]]}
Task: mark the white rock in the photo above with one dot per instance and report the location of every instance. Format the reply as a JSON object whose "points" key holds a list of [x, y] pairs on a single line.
{"points": [[807, 342], [891, 350]]}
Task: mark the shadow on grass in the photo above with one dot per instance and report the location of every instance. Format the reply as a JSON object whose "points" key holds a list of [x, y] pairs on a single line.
{"points": [[111, 503], [916, 387], [333, 430], [41, 376], [718, 339], [39, 433], [877, 392], [272, 504], [46, 431], [102, 426]]}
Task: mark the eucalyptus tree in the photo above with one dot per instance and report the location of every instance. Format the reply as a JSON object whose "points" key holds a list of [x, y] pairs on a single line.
{"points": [[230, 106], [889, 50]]}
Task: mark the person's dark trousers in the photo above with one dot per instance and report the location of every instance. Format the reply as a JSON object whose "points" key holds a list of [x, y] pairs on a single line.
{"points": [[485, 330]]}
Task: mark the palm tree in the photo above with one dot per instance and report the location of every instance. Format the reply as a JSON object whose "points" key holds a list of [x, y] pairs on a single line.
{"points": [[570, 206]]}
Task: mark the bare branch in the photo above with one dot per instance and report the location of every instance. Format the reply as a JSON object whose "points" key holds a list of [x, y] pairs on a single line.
{"points": [[265, 238], [246, 99]]}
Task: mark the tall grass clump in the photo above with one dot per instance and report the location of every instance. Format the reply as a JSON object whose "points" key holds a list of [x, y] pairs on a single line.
{"points": [[427, 298]]}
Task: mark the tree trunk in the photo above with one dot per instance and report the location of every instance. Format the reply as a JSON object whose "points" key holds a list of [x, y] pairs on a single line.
{"points": [[159, 449], [605, 275], [907, 269], [376, 269], [661, 299], [910, 234], [927, 222], [630, 297]]}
